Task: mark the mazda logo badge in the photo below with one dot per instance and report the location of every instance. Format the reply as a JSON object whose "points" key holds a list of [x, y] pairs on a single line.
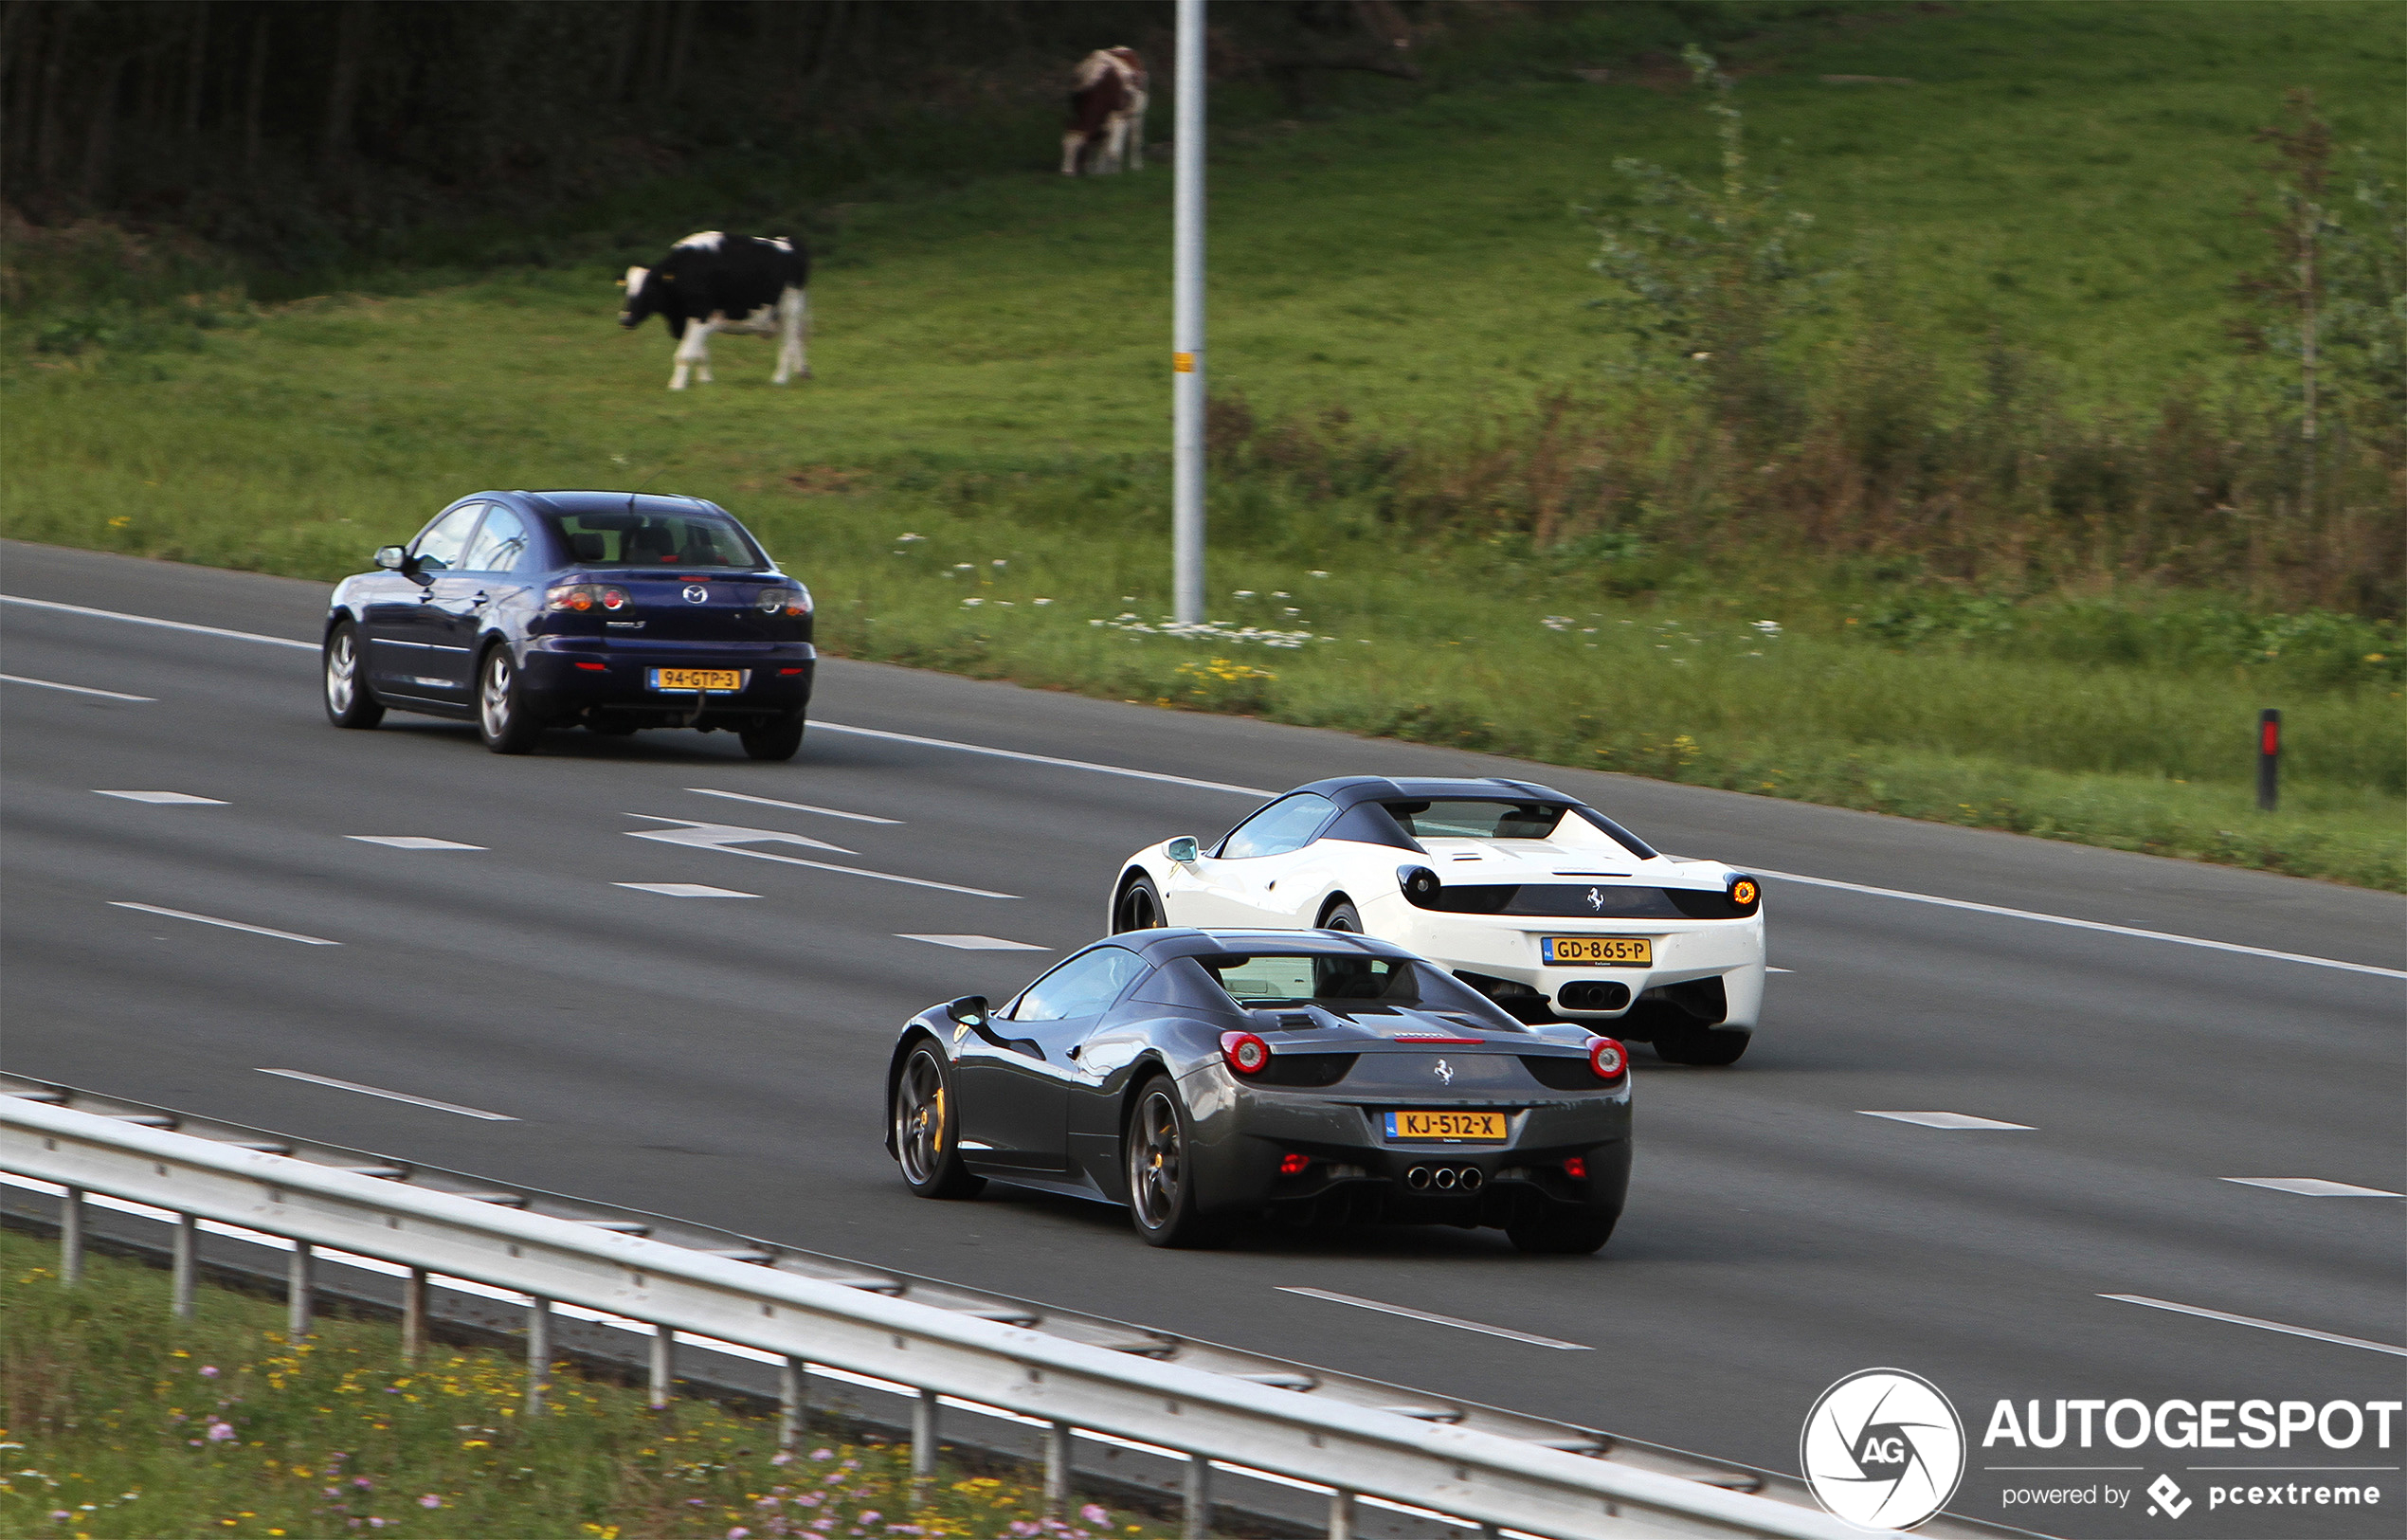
{"points": [[695, 594], [1444, 1072]]}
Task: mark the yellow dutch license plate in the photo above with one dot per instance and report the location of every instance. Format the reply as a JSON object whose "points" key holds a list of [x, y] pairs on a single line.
{"points": [[1460, 1128], [720, 679], [1597, 950]]}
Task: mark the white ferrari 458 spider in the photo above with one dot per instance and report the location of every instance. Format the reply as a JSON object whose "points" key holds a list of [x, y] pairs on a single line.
{"points": [[1537, 901]]}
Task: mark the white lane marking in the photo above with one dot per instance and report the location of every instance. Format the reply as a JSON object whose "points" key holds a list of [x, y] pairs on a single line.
{"points": [[721, 838], [164, 799], [798, 807], [1948, 1120], [2262, 1325], [717, 836], [974, 943], [392, 1095], [1768, 969], [2088, 924], [411, 841], [686, 890], [2132, 931], [229, 924], [1410, 1314], [2313, 1186], [1043, 759], [73, 689], [148, 620]]}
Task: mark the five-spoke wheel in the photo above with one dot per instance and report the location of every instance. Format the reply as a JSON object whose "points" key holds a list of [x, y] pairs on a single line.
{"points": [[924, 1121], [502, 718], [1161, 1179], [349, 701], [1139, 908]]}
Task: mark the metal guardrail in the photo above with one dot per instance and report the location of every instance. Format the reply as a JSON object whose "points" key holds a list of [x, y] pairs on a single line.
{"points": [[1495, 1469]]}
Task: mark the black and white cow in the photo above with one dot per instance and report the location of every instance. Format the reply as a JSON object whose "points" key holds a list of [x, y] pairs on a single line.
{"points": [[1106, 129], [755, 285]]}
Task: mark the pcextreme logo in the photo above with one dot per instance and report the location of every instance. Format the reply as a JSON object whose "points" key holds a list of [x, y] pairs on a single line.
{"points": [[1882, 1449]]}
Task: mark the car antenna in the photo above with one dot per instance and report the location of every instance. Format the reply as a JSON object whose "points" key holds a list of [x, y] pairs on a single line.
{"points": [[640, 486]]}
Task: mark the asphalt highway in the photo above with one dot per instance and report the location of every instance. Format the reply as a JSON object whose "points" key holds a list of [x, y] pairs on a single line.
{"points": [[721, 1058]]}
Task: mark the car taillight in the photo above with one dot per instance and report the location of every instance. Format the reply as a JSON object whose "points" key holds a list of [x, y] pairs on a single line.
{"points": [[793, 601], [1576, 1169], [1608, 1059], [1245, 1053], [582, 598], [1294, 1165]]}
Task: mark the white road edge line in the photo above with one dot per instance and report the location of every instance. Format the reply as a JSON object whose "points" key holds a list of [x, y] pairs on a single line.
{"points": [[1044, 759], [2313, 1186], [2086, 924], [798, 807], [147, 620], [1948, 1120], [1256, 791], [229, 924], [1412, 1314], [73, 689], [392, 1095], [2264, 1325]]}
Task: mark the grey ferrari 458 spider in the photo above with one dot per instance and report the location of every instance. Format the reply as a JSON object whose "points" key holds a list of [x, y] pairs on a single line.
{"points": [[1207, 1077]]}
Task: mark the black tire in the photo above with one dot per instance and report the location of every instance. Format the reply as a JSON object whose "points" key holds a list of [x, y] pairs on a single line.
{"points": [[1139, 907], [1696, 1044], [1161, 1187], [349, 700], [1342, 916], [927, 1128], [503, 719], [1568, 1235], [776, 741]]}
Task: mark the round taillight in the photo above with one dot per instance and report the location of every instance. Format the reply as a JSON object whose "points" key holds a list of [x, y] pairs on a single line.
{"points": [[1418, 882], [614, 599], [1608, 1059], [1743, 892], [1245, 1053]]}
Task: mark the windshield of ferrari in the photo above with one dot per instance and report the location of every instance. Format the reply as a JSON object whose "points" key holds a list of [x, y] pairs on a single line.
{"points": [[1305, 979], [693, 538], [1476, 820]]}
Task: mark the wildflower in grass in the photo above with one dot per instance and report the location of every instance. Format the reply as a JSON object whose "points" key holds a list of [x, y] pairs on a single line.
{"points": [[999, 562], [908, 539], [1094, 1514], [2376, 657], [783, 1457], [209, 1371], [1245, 593], [1317, 575], [738, 1532], [430, 1500], [1768, 627], [220, 1432]]}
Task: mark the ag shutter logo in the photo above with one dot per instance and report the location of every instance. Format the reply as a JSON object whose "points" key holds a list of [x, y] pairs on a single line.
{"points": [[2169, 1501], [1882, 1449]]}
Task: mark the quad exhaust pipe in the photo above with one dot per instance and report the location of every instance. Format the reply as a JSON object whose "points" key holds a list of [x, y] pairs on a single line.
{"points": [[1445, 1178]]}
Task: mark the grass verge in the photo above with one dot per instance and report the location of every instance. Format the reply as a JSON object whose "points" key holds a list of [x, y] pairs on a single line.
{"points": [[122, 1421]]}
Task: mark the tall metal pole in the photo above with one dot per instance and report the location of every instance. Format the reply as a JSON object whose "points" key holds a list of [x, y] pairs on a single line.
{"points": [[1186, 327]]}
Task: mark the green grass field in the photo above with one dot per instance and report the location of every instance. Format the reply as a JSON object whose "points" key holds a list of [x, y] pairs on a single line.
{"points": [[992, 378], [124, 1423]]}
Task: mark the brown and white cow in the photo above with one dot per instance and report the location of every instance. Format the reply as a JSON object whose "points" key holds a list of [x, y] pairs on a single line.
{"points": [[1106, 129]]}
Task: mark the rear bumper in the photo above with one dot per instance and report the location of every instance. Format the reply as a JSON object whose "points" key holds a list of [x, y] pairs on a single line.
{"points": [[570, 682]]}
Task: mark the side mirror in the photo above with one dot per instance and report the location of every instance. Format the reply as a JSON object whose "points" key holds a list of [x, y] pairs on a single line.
{"points": [[970, 1011], [1184, 850], [392, 558]]}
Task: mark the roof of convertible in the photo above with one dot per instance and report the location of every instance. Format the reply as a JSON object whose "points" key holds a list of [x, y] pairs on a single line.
{"points": [[1346, 791], [1160, 945]]}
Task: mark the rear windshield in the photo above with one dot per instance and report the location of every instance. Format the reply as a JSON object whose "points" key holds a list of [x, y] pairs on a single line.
{"points": [[1476, 820], [1301, 980], [695, 537]]}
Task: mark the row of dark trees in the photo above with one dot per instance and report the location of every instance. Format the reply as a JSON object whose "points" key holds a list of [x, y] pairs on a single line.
{"points": [[189, 112]]}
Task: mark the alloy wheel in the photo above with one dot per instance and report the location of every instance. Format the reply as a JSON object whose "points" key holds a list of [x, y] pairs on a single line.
{"points": [[919, 1117], [342, 674], [493, 700], [1156, 1160]]}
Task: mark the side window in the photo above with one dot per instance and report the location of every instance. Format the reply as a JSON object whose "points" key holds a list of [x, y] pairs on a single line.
{"points": [[438, 550], [1284, 825], [1084, 985], [500, 543]]}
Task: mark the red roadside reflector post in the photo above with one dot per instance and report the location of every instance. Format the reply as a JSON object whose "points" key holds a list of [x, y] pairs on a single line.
{"points": [[2268, 759]]}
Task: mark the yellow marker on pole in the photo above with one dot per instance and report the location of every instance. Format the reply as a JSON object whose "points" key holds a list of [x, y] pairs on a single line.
{"points": [[1182, 363]]}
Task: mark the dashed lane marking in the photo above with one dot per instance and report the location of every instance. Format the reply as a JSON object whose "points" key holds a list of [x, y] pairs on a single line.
{"points": [[227, 924], [2286, 1330], [2313, 1186], [1948, 1120], [164, 799], [152, 620], [2133, 932], [392, 1095], [411, 841], [686, 890], [1411, 1314], [732, 839], [73, 689], [974, 943], [798, 807]]}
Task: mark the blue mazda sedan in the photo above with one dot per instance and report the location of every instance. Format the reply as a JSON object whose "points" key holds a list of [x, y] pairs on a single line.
{"points": [[613, 611]]}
